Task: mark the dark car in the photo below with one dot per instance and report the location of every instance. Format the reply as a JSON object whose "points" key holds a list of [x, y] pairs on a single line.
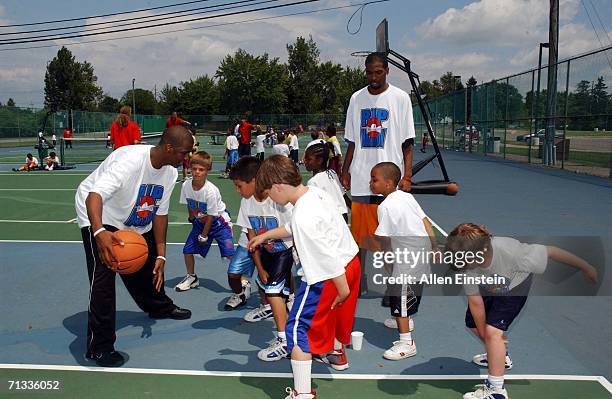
{"points": [[540, 134]]}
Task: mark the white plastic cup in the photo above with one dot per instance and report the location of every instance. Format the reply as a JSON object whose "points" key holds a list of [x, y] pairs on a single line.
{"points": [[356, 340]]}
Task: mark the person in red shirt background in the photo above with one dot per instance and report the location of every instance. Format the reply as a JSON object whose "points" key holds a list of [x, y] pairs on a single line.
{"points": [[67, 137], [124, 131], [244, 146], [175, 120]]}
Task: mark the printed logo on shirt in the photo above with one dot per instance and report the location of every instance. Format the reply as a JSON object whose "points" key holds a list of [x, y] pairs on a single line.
{"points": [[372, 133], [147, 202], [261, 224], [198, 208]]}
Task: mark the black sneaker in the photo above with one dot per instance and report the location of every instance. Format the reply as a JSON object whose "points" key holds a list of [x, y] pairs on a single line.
{"points": [[176, 314], [107, 359]]}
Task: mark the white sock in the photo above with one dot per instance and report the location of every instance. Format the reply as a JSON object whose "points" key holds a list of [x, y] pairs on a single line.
{"points": [[337, 344], [496, 382], [301, 376], [281, 335], [406, 337]]}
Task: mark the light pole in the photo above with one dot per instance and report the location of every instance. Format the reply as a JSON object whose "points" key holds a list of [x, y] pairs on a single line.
{"points": [[134, 100], [455, 79]]}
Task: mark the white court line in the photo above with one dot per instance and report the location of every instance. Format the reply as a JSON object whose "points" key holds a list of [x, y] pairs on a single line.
{"points": [[65, 221], [552, 377], [71, 220], [444, 233]]}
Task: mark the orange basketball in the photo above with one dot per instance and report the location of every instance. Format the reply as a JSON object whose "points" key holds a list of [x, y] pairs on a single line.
{"points": [[452, 189], [133, 255]]}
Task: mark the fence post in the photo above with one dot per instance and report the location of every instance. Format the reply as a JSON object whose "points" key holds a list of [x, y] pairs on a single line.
{"points": [[532, 119]]}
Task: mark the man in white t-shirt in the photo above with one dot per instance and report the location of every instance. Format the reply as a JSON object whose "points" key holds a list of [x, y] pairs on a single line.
{"points": [[379, 128], [131, 189]]}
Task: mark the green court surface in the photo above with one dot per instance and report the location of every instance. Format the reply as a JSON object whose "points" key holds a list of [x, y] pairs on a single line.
{"points": [[140, 384]]}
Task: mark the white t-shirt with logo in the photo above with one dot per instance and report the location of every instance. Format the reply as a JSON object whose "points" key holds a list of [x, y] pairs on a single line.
{"points": [[243, 240], [313, 142], [281, 149], [400, 218], [328, 181], [378, 125], [132, 190], [323, 241], [259, 140], [203, 202], [294, 144], [264, 216], [231, 143]]}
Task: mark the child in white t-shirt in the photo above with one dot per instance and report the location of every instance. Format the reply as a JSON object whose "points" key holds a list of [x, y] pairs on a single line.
{"points": [[402, 225], [208, 216], [316, 161], [493, 307], [321, 319], [231, 152], [280, 148], [260, 140]]}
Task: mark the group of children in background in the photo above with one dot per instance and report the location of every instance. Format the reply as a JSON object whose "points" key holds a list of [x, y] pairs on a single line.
{"points": [[287, 225]]}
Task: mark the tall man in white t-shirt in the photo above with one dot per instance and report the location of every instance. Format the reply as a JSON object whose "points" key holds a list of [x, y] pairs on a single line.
{"points": [[379, 128], [131, 189]]}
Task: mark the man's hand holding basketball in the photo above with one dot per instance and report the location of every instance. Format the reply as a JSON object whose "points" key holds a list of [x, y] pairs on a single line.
{"points": [[104, 242]]}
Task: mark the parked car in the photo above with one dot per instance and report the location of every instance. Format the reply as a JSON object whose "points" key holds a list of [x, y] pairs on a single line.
{"points": [[540, 134], [472, 131]]}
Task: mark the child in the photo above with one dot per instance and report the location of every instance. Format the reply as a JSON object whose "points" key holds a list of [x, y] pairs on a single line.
{"points": [[315, 161], [492, 308], [335, 154], [322, 318], [30, 163], [280, 148], [208, 216], [259, 140], [402, 225], [424, 142], [52, 161], [294, 146], [231, 152], [274, 261]]}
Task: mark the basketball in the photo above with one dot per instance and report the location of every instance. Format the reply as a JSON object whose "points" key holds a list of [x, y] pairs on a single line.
{"points": [[452, 189], [133, 255]]}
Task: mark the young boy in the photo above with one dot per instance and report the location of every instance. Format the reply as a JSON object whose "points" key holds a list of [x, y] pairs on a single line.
{"points": [[402, 224], [274, 261], [492, 308], [208, 216], [280, 147], [325, 303], [231, 152]]}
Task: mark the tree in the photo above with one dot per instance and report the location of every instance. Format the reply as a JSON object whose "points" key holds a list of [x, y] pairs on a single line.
{"points": [[516, 108], [70, 84], [145, 101], [170, 100], [472, 81], [10, 102], [329, 80], [199, 96], [351, 80], [450, 83], [108, 104], [302, 66], [249, 83]]}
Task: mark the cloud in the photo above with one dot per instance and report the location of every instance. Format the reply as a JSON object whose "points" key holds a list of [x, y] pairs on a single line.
{"points": [[495, 22]]}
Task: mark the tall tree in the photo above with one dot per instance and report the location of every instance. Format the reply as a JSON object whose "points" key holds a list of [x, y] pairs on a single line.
{"points": [[145, 101], [450, 83], [302, 66], [70, 84], [252, 83], [170, 100], [352, 79], [199, 96], [108, 104], [329, 81]]}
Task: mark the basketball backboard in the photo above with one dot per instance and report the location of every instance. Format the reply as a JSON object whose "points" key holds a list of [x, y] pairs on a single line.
{"points": [[382, 37]]}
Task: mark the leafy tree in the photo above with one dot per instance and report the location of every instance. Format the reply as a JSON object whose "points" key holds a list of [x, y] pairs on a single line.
{"points": [[328, 86], [108, 104], [70, 84], [302, 65], [145, 101], [10, 102], [170, 99], [351, 80], [449, 83], [199, 96]]}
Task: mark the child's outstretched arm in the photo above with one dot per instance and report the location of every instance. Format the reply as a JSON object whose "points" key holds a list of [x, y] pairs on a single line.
{"points": [[562, 256], [274, 234]]}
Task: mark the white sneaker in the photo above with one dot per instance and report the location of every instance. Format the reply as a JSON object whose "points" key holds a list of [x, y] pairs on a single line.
{"points": [[392, 323], [290, 302], [481, 360], [235, 301], [400, 350], [293, 394], [246, 289], [187, 283], [258, 314], [276, 351], [486, 391]]}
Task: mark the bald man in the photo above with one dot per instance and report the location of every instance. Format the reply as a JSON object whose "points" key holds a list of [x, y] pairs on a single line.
{"points": [[131, 189]]}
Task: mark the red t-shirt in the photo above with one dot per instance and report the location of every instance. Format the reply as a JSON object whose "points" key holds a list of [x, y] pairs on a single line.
{"points": [[121, 136], [245, 133], [67, 133], [177, 121]]}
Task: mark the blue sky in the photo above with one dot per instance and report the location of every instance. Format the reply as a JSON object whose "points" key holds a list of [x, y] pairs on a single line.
{"points": [[485, 38]]}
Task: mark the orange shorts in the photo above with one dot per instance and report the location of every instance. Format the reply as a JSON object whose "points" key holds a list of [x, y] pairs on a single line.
{"points": [[364, 221]]}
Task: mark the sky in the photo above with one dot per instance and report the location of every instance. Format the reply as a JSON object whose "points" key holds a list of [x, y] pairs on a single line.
{"points": [[486, 39]]}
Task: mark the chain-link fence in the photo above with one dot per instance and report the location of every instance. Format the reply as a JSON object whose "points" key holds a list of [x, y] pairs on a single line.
{"points": [[507, 117]]}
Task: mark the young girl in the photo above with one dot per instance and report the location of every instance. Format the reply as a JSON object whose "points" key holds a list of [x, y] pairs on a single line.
{"points": [[316, 161], [492, 308]]}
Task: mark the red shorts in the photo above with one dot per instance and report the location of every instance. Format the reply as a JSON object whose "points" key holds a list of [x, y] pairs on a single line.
{"points": [[313, 324]]}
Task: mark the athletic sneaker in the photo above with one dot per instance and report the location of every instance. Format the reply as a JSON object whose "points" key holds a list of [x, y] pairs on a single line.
{"points": [[246, 289], [187, 283], [481, 360], [486, 391], [235, 301], [107, 359], [276, 351], [400, 350], [293, 394], [290, 301], [336, 359], [258, 314], [392, 323]]}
